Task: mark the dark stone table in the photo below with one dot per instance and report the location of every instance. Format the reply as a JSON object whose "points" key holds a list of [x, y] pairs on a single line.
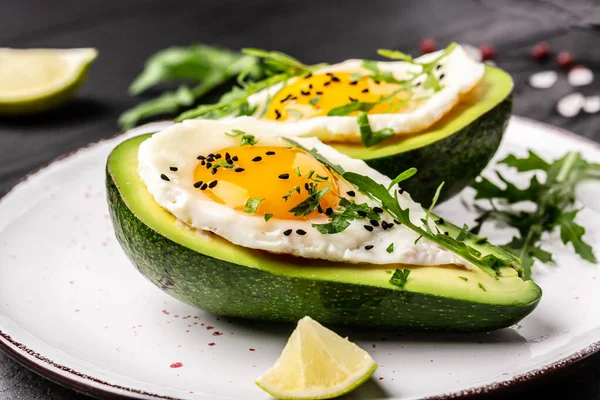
{"points": [[126, 32]]}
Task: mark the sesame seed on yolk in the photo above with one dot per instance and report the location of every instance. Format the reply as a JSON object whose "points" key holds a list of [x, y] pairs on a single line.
{"points": [[300, 100], [261, 179]]}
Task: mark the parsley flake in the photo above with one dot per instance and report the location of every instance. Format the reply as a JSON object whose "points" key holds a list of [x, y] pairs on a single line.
{"points": [[400, 277], [252, 205], [390, 248], [248, 140], [268, 216]]}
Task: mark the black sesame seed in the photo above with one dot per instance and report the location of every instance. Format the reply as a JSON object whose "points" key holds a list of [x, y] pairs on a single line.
{"points": [[213, 171], [227, 155], [201, 158], [307, 93], [294, 98], [335, 79], [308, 76], [286, 98], [401, 191], [377, 82], [239, 170], [329, 211], [319, 93], [353, 83], [270, 153], [446, 233], [365, 90], [378, 210], [374, 222], [211, 155], [208, 165], [351, 193], [203, 187], [301, 232], [352, 99], [277, 114], [198, 184], [234, 158], [397, 222], [174, 169], [329, 73], [212, 184], [203, 163], [217, 156], [284, 176], [417, 84], [229, 161], [369, 247], [361, 213], [257, 159], [326, 83], [441, 221], [438, 66], [441, 76], [164, 177], [306, 186], [310, 86], [288, 232], [369, 228]]}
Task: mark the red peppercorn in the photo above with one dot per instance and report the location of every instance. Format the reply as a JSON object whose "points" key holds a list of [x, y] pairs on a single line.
{"points": [[428, 45], [565, 59], [540, 51], [487, 52]]}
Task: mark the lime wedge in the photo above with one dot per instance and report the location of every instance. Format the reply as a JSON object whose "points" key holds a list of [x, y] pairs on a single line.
{"points": [[317, 363], [35, 80]]}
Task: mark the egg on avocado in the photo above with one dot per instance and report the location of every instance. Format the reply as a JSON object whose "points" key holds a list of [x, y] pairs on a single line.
{"points": [[443, 113], [234, 218]]}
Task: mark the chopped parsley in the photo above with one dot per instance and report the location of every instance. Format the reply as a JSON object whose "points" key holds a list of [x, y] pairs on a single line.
{"points": [[311, 203], [235, 132], [400, 277], [252, 205], [390, 248], [291, 192], [464, 278], [367, 135], [314, 100], [268, 216], [223, 164], [481, 286], [347, 212]]}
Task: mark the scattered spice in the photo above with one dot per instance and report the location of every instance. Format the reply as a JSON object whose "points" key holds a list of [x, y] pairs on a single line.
{"points": [[164, 177]]}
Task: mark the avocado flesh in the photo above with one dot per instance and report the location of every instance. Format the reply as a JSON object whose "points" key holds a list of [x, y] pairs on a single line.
{"points": [[455, 149], [210, 273]]}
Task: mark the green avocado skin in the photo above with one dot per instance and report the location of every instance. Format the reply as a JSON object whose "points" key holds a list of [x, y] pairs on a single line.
{"points": [[229, 289], [455, 160]]}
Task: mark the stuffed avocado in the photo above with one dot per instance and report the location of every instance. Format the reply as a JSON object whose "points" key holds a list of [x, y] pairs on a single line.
{"points": [[209, 272], [442, 113]]}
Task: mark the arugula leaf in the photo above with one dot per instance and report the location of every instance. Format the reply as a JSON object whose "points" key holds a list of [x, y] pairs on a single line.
{"points": [[252, 205], [317, 156], [208, 66], [248, 140], [409, 173], [553, 200], [347, 212], [400, 277], [311, 203], [367, 136]]}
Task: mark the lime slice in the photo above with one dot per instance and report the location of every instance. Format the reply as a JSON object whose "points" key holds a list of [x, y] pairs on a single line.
{"points": [[317, 363], [35, 80]]}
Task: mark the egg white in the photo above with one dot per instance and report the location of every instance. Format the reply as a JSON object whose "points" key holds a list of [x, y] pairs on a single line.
{"points": [[180, 144], [462, 73]]}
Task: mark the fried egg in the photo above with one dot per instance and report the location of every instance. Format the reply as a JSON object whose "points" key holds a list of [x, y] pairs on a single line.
{"points": [[301, 104], [241, 180]]}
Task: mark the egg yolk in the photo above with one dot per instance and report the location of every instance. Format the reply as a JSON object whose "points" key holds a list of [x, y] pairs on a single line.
{"points": [[281, 176], [318, 94]]}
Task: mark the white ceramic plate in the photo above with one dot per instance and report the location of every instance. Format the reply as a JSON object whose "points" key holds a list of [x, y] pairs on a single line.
{"points": [[74, 309]]}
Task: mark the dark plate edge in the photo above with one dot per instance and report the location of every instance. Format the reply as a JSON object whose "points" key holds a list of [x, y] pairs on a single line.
{"points": [[101, 389]]}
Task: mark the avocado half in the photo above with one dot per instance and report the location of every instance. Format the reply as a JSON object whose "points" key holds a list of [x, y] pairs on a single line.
{"points": [[213, 274], [455, 149]]}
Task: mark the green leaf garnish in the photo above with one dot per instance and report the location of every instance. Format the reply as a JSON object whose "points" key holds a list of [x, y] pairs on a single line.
{"points": [[409, 173], [248, 140], [311, 203], [252, 205], [481, 286], [268, 216], [367, 136], [390, 248], [314, 100], [552, 199], [291, 191], [235, 132], [400, 277], [222, 164], [350, 108], [464, 278], [346, 212]]}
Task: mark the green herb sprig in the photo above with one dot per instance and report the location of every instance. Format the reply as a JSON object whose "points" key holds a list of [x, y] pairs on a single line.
{"points": [[347, 212], [553, 199]]}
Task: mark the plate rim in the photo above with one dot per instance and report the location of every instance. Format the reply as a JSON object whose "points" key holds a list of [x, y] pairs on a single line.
{"points": [[99, 388]]}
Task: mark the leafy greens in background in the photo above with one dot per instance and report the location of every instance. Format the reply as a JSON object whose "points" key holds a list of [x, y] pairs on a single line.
{"points": [[207, 66], [553, 200]]}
